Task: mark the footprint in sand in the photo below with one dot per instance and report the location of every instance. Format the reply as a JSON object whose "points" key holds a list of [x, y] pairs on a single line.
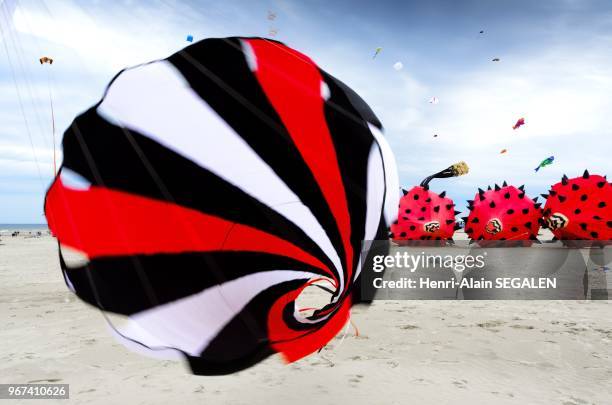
{"points": [[462, 384], [491, 325], [49, 380], [522, 326], [356, 379], [575, 401]]}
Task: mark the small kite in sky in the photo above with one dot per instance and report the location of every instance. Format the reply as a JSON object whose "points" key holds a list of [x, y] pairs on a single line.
{"points": [[398, 66], [273, 32], [46, 59], [435, 135], [189, 38], [434, 100], [482, 31], [519, 123], [495, 59], [376, 52], [503, 151], [546, 162], [271, 16]]}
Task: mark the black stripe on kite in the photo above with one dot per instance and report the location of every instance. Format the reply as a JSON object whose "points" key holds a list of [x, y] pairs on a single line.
{"points": [[353, 142], [119, 287]]}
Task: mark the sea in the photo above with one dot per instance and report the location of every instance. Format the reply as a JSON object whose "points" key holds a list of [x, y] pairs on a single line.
{"points": [[23, 227]]}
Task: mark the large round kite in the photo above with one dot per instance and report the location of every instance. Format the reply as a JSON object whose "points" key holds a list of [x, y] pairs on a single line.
{"points": [[425, 215], [503, 213], [207, 190], [580, 208]]}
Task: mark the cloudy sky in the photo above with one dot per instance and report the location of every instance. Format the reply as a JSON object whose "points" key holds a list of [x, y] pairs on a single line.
{"points": [[555, 70]]}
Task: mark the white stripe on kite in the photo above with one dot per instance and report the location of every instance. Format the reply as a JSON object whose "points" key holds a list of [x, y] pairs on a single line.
{"points": [[391, 176], [375, 199], [249, 55], [74, 180], [190, 323]]}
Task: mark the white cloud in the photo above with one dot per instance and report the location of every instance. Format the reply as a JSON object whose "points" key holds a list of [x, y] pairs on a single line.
{"points": [[100, 42], [9, 151]]}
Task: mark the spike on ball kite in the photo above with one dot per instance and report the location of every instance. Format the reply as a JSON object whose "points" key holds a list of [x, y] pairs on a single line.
{"points": [[196, 228]]}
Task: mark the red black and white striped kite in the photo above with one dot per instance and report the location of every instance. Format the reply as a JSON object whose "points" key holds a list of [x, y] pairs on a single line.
{"points": [[207, 190]]}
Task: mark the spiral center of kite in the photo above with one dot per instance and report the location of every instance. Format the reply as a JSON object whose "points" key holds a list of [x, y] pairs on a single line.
{"points": [[315, 296]]}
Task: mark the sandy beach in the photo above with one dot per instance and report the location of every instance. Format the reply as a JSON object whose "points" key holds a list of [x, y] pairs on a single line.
{"points": [[421, 352]]}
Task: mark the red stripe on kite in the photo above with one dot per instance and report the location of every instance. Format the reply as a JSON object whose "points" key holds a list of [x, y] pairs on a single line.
{"points": [[297, 98], [104, 222]]}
